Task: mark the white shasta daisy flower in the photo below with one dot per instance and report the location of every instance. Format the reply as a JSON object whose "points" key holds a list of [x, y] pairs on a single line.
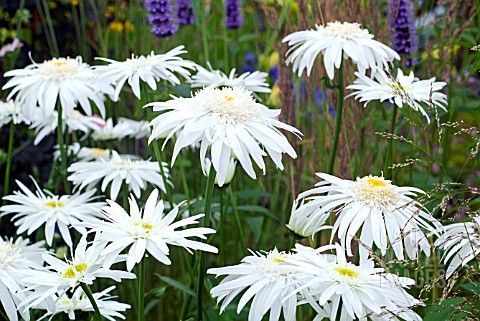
{"points": [[138, 129], [229, 121], [67, 80], [407, 90], [108, 131], [350, 291], [386, 214], [59, 277], [255, 82], [45, 125], [108, 308], [32, 252], [149, 69], [84, 153], [306, 219], [461, 242], [128, 169], [267, 279], [15, 259], [33, 210], [149, 231], [335, 42], [232, 165], [10, 110]]}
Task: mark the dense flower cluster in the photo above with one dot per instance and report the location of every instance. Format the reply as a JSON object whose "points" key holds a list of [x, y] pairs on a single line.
{"points": [[402, 26], [161, 16], [234, 17]]}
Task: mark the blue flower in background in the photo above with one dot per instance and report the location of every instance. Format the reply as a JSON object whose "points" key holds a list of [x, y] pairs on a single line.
{"points": [[250, 63], [161, 17], [185, 12], [274, 73], [402, 25], [234, 17]]}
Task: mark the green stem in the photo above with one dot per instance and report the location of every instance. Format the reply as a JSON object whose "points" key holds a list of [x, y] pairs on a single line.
{"points": [[388, 161], [338, 120], [62, 147], [8, 169], [204, 34], [202, 257], [158, 156], [125, 196], [141, 290], [88, 293], [184, 180], [292, 243], [237, 218]]}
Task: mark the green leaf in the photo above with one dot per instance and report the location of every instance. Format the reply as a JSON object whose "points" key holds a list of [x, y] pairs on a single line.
{"points": [[446, 310], [256, 223], [248, 193], [178, 285]]}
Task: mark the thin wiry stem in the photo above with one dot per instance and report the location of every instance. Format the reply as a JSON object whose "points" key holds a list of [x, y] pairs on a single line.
{"points": [[202, 257], [338, 120]]}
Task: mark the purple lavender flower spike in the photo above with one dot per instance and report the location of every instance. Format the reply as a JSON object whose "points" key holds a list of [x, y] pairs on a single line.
{"points": [[185, 13], [402, 24], [234, 13], [161, 17]]}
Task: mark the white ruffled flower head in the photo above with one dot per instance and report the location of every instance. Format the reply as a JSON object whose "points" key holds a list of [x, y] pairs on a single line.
{"points": [[386, 214], [255, 81], [11, 111], [108, 307], [230, 122], [45, 125], [108, 131], [337, 41], [268, 282], [461, 242], [33, 210], [149, 231], [69, 81], [403, 90], [128, 169], [149, 69], [58, 277], [351, 292], [16, 259]]}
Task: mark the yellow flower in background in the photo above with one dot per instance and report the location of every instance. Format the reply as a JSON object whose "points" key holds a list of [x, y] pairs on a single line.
{"points": [[108, 12], [267, 63], [274, 98], [128, 26], [435, 53], [74, 2], [116, 26], [120, 27]]}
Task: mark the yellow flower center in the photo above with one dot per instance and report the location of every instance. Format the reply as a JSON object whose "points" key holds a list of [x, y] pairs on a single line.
{"points": [[59, 68], [344, 30], [55, 204], [147, 226], [398, 88], [344, 271], [70, 273], [374, 191], [99, 151], [375, 182], [231, 105]]}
